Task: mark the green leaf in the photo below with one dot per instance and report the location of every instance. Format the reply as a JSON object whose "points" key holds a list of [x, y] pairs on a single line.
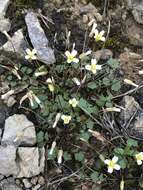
{"points": [[123, 163], [106, 81], [92, 85], [119, 151], [79, 156], [67, 156], [114, 64], [85, 136], [95, 177], [132, 142], [116, 86], [40, 137]]}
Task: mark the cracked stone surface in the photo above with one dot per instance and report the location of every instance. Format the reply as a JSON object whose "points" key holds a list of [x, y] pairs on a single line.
{"points": [[8, 164], [16, 44], [19, 131], [31, 161], [39, 39], [3, 7]]}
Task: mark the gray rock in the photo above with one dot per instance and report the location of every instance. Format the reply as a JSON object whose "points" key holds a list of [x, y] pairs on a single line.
{"points": [[134, 32], [38, 39], [31, 161], [7, 159], [36, 187], [5, 24], [137, 9], [19, 131], [3, 7], [10, 186], [103, 54], [16, 44], [1, 177]]}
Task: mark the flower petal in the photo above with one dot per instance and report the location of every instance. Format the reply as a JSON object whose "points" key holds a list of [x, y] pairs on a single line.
{"points": [[27, 57], [102, 32], [102, 39], [107, 161], [96, 32], [110, 170], [117, 167], [139, 162], [115, 159], [88, 67], [75, 60], [33, 57], [98, 67], [74, 52], [28, 51], [93, 61], [67, 53]]}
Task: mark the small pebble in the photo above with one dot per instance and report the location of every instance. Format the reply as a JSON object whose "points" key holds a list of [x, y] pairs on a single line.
{"points": [[27, 184], [41, 180]]}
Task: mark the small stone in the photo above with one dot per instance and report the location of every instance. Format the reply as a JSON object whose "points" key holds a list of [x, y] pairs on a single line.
{"points": [[1, 177], [36, 187], [31, 161], [39, 39], [103, 54], [27, 184], [8, 164], [11, 101], [19, 131], [16, 44], [3, 7], [41, 180]]}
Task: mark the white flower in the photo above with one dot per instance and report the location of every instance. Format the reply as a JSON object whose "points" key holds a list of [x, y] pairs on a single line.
{"points": [[93, 30], [127, 81], [114, 109], [31, 54], [71, 56], [141, 72], [50, 82], [112, 164], [73, 102], [66, 118], [93, 67], [85, 54], [99, 35], [139, 158], [58, 116], [60, 155], [31, 96], [52, 147]]}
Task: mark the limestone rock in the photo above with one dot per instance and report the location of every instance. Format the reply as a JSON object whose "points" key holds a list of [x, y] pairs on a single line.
{"points": [[9, 186], [137, 9], [39, 39], [7, 159], [31, 161], [16, 44], [5, 24], [19, 131], [3, 7]]}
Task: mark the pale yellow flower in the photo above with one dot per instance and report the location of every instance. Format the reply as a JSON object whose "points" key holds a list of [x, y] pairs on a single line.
{"points": [[113, 109], [50, 82], [73, 102], [66, 118], [127, 81], [31, 54], [71, 56], [98, 36], [31, 96], [60, 155], [139, 158], [52, 147], [112, 164], [93, 67]]}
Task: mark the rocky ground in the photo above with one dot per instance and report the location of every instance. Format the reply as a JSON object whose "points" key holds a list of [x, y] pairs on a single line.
{"points": [[44, 25]]}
